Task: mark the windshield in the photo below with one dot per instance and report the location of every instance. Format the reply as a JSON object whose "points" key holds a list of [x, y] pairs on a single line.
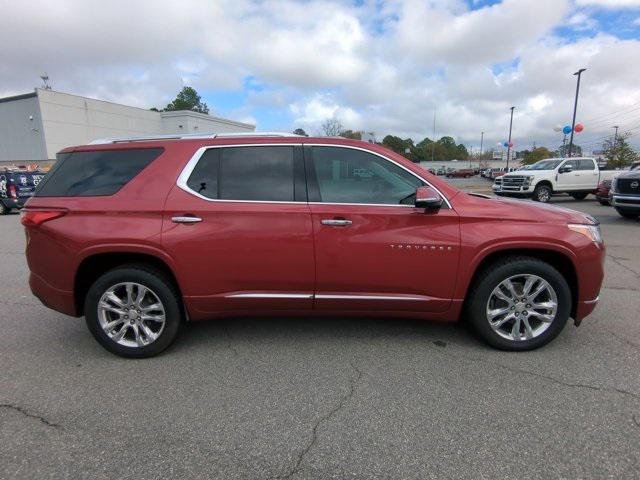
{"points": [[545, 165]]}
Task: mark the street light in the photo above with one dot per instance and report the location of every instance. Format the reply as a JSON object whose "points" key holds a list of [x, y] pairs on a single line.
{"points": [[575, 109], [509, 142]]}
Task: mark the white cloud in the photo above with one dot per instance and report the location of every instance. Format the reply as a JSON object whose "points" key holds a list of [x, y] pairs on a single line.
{"points": [[382, 67], [610, 3]]}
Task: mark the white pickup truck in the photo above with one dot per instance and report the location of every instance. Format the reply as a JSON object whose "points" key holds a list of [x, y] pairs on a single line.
{"points": [[576, 176]]}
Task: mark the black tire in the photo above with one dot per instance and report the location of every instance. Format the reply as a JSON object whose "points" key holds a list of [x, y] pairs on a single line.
{"points": [[491, 277], [542, 193], [160, 286], [604, 203], [3, 209], [579, 195], [628, 213]]}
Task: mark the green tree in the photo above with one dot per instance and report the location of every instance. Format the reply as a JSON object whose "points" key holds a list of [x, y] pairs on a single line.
{"points": [[618, 152], [461, 152], [563, 151], [351, 134], [187, 99], [536, 155], [299, 131]]}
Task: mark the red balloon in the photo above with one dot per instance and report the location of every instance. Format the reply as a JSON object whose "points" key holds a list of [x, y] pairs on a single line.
{"points": [[578, 128], [511, 145]]}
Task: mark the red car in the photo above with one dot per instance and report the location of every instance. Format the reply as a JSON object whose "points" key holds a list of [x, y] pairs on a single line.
{"points": [[602, 193], [143, 235], [461, 173]]}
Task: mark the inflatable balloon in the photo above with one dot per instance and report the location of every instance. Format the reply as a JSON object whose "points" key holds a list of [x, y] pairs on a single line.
{"points": [[499, 144], [567, 129], [511, 145], [578, 128], [505, 144], [557, 128]]}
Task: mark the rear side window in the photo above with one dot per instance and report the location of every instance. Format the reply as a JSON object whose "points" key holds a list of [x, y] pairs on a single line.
{"points": [[245, 173], [97, 173]]}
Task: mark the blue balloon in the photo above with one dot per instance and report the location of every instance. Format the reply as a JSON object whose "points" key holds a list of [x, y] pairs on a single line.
{"points": [[506, 144], [567, 129]]}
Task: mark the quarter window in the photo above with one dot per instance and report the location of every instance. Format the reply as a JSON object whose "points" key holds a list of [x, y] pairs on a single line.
{"points": [[354, 176]]}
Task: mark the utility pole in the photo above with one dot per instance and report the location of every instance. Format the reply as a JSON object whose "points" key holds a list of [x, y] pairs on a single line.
{"points": [[564, 146], [509, 141], [575, 109], [481, 141], [433, 146], [615, 143]]}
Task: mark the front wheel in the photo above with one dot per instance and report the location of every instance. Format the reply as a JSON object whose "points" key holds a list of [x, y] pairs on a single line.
{"points": [[626, 213], [604, 203], [133, 311], [542, 193], [520, 303]]}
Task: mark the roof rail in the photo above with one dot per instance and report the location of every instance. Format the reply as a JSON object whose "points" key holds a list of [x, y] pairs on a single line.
{"points": [[191, 136]]}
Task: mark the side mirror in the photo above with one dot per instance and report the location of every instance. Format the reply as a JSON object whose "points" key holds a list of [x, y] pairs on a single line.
{"points": [[428, 198], [566, 169]]}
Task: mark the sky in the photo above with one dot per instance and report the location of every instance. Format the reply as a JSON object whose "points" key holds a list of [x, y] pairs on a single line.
{"points": [[378, 66]]}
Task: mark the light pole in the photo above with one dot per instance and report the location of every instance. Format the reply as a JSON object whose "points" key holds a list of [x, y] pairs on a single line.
{"points": [[509, 141], [575, 109], [615, 142]]}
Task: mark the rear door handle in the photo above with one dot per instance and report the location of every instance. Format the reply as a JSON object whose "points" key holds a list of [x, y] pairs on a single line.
{"points": [[186, 219], [336, 222]]}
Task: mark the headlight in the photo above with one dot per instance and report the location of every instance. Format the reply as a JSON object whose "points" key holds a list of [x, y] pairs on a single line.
{"points": [[527, 180], [592, 232]]}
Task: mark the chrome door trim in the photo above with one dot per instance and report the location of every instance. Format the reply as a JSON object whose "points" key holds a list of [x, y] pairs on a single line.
{"points": [[335, 222], [271, 295], [181, 182], [371, 297]]}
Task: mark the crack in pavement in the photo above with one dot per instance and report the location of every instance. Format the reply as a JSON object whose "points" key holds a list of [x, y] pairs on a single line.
{"points": [[545, 377], [26, 413], [624, 289], [635, 420], [325, 418], [617, 261]]}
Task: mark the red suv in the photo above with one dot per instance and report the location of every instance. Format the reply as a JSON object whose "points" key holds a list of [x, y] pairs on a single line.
{"points": [[142, 235]]}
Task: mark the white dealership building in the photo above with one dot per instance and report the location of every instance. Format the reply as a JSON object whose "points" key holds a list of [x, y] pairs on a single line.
{"points": [[37, 125]]}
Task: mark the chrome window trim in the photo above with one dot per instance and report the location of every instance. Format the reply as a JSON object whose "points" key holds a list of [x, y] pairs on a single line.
{"points": [[193, 161]]}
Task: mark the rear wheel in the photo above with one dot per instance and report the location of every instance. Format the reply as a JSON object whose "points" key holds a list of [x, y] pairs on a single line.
{"points": [[604, 202], [520, 303], [542, 193], [133, 311], [579, 195], [626, 213]]}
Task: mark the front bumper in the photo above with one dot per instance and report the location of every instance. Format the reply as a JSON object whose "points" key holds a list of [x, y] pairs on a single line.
{"points": [[512, 190], [626, 201]]}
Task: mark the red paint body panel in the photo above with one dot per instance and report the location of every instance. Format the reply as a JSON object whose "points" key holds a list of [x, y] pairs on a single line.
{"points": [[243, 248]]}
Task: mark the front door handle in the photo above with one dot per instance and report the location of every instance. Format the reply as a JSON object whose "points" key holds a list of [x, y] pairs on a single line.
{"points": [[186, 219], [336, 222]]}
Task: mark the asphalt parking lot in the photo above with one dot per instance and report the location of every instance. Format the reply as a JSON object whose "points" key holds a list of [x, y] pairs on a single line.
{"points": [[336, 398]]}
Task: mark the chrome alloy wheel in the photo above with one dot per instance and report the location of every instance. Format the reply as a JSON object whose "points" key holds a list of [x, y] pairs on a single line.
{"points": [[131, 314], [522, 307]]}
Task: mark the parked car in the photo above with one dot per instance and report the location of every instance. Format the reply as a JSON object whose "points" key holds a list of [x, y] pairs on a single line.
{"points": [[141, 236], [576, 176], [16, 187], [461, 173], [625, 192], [602, 192], [441, 171]]}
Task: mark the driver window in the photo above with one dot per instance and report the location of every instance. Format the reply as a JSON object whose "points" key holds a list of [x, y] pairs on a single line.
{"points": [[571, 163], [347, 175]]}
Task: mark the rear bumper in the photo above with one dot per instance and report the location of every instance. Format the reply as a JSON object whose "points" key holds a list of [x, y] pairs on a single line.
{"points": [[13, 202], [59, 300]]}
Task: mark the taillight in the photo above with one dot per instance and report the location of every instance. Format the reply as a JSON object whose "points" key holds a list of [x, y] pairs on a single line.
{"points": [[33, 218], [12, 191]]}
